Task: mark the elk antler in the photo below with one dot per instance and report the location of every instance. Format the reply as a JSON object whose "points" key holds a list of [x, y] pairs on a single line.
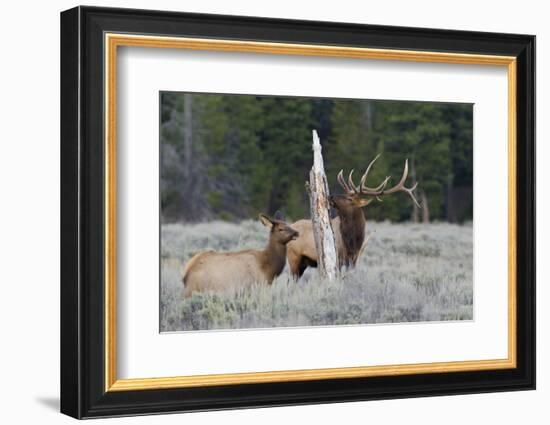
{"points": [[342, 182], [379, 190], [362, 189], [400, 187], [363, 185]]}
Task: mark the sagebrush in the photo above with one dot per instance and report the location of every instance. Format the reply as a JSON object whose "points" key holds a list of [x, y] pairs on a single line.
{"points": [[407, 273]]}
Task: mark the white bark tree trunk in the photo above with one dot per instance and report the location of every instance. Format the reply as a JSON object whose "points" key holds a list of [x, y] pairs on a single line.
{"points": [[320, 217]]}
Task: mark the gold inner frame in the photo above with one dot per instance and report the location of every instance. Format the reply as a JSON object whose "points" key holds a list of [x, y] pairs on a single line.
{"points": [[113, 41]]}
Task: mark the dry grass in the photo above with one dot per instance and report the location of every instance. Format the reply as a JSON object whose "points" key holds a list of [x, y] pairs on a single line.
{"points": [[408, 273]]}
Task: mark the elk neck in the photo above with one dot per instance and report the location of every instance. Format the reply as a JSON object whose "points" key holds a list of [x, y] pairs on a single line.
{"points": [[273, 259], [352, 230]]}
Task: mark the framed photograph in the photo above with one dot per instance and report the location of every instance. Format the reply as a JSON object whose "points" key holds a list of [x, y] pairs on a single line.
{"points": [[261, 212]]}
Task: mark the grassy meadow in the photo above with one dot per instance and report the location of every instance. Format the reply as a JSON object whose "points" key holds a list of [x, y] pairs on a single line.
{"points": [[407, 273]]}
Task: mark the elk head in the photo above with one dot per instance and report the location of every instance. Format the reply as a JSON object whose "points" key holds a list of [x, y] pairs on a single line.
{"points": [[281, 232], [358, 196]]}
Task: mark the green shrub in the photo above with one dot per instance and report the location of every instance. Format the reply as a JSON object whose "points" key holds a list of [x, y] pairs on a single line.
{"points": [[408, 273]]}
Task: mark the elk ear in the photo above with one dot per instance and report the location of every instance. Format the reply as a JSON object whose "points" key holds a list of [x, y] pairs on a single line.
{"points": [[266, 221], [279, 216]]}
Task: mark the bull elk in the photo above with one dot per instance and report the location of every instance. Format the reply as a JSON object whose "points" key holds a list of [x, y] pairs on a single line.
{"points": [[348, 225], [217, 271]]}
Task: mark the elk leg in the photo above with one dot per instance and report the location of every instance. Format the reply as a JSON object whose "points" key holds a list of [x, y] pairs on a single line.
{"points": [[297, 266], [295, 269], [309, 262], [301, 266]]}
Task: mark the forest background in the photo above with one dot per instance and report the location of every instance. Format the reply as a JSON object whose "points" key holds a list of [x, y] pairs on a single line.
{"points": [[229, 157]]}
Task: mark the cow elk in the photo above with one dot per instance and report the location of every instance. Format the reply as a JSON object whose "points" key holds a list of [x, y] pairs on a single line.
{"points": [[348, 225], [218, 271]]}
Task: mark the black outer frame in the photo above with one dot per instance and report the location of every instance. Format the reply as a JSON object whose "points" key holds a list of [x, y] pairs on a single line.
{"points": [[82, 217]]}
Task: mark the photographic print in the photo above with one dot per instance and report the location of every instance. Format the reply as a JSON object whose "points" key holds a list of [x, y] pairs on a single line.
{"points": [[324, 185], [250, 240]]}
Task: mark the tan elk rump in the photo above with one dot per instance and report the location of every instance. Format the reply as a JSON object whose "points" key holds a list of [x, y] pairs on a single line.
{"points": [[218, 271], [348, 226]]}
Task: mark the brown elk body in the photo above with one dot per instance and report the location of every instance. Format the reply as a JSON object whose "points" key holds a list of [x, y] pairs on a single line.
{"points": [[218, 271], [348, 226]]}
